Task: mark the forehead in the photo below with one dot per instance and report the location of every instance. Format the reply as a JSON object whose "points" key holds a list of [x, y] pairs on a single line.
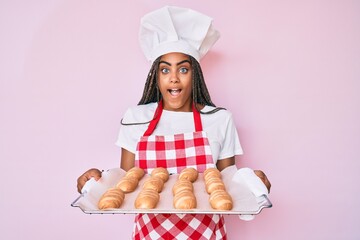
{"points": [[174, 57]]}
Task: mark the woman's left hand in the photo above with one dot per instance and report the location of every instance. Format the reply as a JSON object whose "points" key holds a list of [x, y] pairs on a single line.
{"points": [[263, 178]]}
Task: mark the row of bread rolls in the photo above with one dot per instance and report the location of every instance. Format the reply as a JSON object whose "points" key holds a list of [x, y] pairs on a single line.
{"points": [[149, 195], [219, 198], [114, 197], [183, 190]]}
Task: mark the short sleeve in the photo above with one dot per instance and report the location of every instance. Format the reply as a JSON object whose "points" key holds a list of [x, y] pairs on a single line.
{"points": [[230, 145], [129, 135], [126, 139]]}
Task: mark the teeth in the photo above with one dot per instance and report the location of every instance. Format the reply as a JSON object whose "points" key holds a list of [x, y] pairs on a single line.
{"points": [[174, 92]]}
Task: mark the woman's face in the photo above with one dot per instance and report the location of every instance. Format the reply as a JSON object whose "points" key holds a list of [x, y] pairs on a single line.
{"points": [[174, 81]]}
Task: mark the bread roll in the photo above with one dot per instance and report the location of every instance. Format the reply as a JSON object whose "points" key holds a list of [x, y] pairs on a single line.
{"points": [[214, 184], [190, 174], [184, 199], [147, 199], [160, 172], [155, 183], [127, 184], [135, 172], [220, 200], [112, 198], [211, 172], [182, 184]]}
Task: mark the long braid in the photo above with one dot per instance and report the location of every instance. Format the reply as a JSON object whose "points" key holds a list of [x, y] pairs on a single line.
{"points": [[151, 92], [199, 90]]}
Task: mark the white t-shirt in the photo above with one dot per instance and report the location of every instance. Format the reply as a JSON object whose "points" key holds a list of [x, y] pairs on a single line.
{"points": [[219, 126]]}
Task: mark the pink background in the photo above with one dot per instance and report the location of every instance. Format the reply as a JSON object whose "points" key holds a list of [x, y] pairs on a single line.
{"points": [[288, 70]]}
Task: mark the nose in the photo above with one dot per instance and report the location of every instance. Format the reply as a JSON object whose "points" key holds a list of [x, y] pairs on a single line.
{"points": [[174, 77]]}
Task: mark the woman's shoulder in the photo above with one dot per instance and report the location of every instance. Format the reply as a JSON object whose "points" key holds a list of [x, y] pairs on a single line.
{"points": [[220, 119], [140, 113], [221, 113]]}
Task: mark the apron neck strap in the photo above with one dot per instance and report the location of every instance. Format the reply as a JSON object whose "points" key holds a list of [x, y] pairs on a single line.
{"points": [[155, 119], [157, 115], [197, 119]]}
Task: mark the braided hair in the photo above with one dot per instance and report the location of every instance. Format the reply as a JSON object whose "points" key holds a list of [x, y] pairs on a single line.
{"points": [[200, 93]]}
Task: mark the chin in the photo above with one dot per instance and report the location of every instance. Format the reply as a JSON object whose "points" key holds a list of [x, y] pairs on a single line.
{"points": [[181, 108]]}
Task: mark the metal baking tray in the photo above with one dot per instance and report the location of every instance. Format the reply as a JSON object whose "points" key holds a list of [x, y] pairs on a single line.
{"points": [[244, 201]]}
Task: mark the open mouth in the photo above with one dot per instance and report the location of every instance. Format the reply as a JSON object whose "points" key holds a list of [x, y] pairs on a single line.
{"points": [[174, 92]]}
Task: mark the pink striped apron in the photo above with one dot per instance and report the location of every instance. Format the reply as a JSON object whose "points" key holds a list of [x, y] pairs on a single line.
{"points": [[176, 152]]}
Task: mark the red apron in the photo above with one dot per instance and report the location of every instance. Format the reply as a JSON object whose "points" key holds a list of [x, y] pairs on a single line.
{"points": [[176, 152]]}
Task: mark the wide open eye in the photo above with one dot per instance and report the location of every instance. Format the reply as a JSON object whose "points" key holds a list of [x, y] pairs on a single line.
{"points": [[165, 70], [183, 70]]}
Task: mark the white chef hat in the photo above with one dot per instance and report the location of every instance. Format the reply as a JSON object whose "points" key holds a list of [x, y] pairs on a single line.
{"points": [[175, 29]]}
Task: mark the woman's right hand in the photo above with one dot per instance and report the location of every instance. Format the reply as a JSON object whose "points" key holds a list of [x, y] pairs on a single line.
{"points": [[91, 173]]}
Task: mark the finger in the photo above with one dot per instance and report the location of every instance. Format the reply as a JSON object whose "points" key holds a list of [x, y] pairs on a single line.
{"points": [[267, 184], [263, 178], [81, 182], [96, 174], [260, 174], [91, 173], [80, 185]]}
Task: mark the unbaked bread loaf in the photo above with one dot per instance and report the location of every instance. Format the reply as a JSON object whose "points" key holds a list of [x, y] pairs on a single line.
{"points": [[127, 184], [184, 199], [135, 172], [155, 183], [112, 198], [220, 200], [182, 184], [147, 199], [160, 172], [190, 174]]}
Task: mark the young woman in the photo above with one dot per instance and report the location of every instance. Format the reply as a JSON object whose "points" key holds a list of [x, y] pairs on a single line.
{"points": [[176, 113]]}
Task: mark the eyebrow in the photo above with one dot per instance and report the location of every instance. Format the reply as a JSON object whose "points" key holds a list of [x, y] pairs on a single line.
{"points": [[167, 63]]}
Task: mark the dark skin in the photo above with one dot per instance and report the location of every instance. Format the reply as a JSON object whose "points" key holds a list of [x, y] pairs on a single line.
{"points": [[86, 176], [174, 81]]}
